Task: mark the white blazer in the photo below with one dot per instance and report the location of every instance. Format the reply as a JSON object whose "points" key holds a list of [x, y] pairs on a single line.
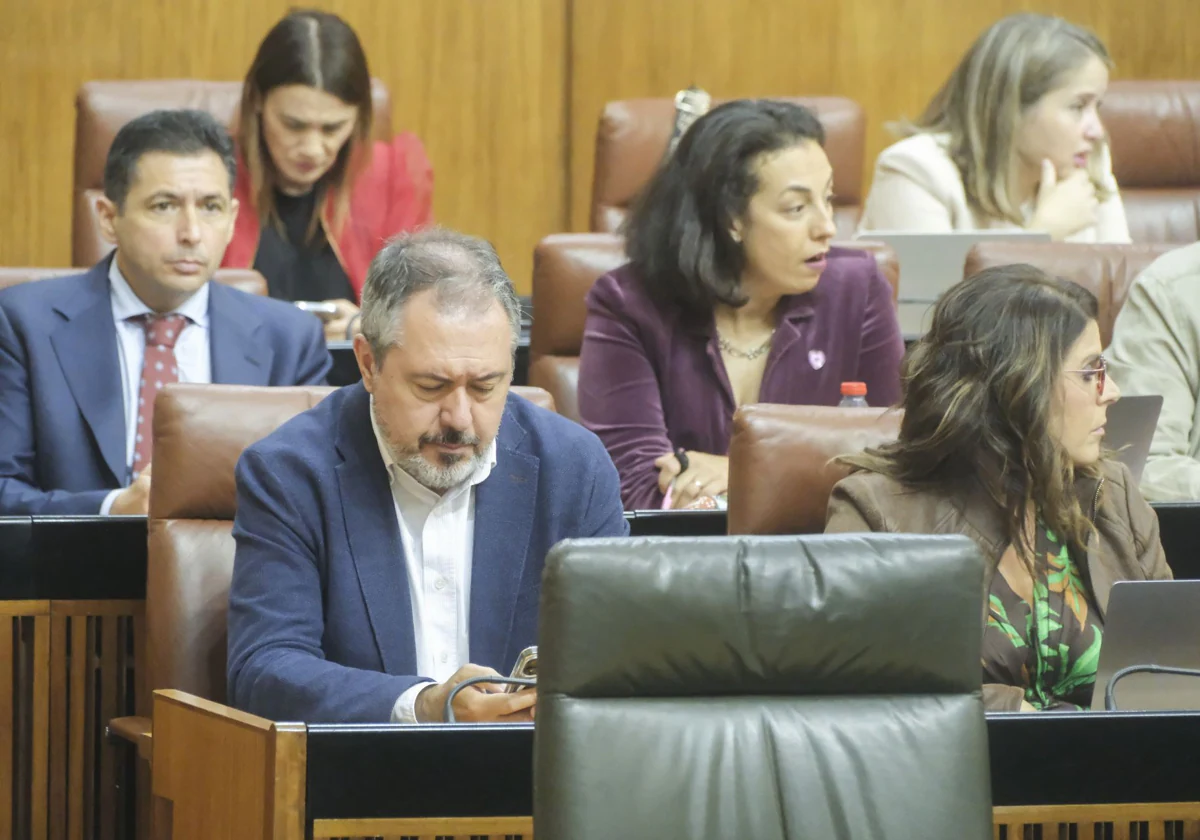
{"points": [[917, 187]]}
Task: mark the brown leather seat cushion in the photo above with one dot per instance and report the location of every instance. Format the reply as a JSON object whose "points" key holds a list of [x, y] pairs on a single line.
{"points": [[632, 137]]}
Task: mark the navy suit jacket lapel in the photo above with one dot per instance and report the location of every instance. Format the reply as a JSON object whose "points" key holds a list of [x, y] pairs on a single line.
{"points": [[239, 355], [505, 504], [86, 347], [374, 534]]}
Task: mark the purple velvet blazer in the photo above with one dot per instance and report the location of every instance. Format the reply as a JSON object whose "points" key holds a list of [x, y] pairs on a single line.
{"points": [[651, 379]]}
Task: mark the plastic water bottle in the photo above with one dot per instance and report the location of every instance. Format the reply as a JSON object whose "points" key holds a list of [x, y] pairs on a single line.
{"points": [[854, 395]]}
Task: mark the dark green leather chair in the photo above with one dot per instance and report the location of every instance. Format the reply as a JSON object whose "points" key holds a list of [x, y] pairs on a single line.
{"points": [[762, 687]]}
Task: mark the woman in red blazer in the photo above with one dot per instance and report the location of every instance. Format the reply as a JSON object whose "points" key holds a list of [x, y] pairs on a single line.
{"points": [[317, 197]]}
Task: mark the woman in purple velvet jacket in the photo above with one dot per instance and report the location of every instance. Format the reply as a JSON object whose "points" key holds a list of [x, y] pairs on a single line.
{"points": [[732, 295]]}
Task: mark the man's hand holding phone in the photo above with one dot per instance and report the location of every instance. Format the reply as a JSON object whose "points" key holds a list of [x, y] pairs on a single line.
{"points": [[481, 703]]}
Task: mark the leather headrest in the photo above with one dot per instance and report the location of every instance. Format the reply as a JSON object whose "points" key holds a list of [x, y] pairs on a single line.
{"points": [[15, 276], [565, 265], [1152, 130], [780, 462], [1106, 270], [846, 614], [244, 279], [102, 107], [200, 432], [632, 137]]}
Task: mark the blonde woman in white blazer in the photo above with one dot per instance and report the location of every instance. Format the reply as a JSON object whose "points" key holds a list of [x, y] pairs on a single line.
{"points": [[1013, 140]]}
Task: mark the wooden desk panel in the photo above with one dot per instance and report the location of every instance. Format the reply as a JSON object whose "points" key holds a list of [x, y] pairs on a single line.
{"points": [[71, 602], [25, 699], [91, 676]]}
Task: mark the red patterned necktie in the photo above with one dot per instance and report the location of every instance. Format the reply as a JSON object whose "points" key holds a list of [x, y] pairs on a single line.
{"points": [[158, 369]]}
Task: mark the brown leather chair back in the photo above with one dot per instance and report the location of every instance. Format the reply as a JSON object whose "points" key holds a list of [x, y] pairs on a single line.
{"points": [[538, 396], [632, 137], [1107, 271], [199, 434], [1154, 128], [780, 470], [15, 276], [565, 265], [101, 108], [244, 279]]}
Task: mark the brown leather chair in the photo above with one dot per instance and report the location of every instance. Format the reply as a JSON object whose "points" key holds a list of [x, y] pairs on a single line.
{"points": [[780, 470], [103, 107], [1107, 271], [243, 279], [1154, 127], [200, 432], [632, 137], [565, 265]]}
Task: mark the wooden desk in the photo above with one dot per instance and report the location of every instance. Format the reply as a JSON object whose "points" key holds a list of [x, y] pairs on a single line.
{"points": [[1085, 769], [71, 604]]}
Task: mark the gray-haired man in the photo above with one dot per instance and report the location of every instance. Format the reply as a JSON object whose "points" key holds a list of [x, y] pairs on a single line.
{"points": [[390, 541]]}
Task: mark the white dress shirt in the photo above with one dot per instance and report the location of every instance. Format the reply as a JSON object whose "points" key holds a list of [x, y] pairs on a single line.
{"points": [[191, 353], [438, 537]]}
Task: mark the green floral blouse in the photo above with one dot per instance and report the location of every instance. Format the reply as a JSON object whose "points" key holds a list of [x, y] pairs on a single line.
{"points": [[1043, 632]]}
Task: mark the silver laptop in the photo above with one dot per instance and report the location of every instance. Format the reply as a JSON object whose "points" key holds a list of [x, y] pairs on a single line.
{"points": [[1130, 428], [930, 263], [1151, 622]]}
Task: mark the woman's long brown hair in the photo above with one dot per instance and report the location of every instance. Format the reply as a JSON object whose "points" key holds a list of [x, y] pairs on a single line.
{"points": [[980, 389], [1009, 68], [319, 50]]}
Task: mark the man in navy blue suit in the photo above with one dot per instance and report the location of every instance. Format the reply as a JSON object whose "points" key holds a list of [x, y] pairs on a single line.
{"points": [[81, 357], [390, 541]]}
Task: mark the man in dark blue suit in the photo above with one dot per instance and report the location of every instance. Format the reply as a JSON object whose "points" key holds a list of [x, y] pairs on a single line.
{"points": [[81, 357], [390, 541]]}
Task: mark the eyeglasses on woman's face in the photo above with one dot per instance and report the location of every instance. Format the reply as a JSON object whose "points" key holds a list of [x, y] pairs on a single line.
{"points": [[1095, 376]]}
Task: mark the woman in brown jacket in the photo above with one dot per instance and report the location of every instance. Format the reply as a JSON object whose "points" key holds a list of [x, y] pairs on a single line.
{"points": [[1004, 410]]}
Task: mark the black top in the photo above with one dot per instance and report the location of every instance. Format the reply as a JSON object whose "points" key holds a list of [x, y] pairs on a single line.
{"points": [[295, 269]]}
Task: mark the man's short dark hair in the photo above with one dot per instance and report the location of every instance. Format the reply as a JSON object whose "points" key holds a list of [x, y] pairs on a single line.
{"points": [[176, 132], [678, 234]]}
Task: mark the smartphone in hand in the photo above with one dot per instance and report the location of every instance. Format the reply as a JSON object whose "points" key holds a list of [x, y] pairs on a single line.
{"points": [[324, 310], [525, 667]]}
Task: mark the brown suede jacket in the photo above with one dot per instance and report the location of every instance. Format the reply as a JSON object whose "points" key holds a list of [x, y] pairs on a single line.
{"points": [[1125, 544]]}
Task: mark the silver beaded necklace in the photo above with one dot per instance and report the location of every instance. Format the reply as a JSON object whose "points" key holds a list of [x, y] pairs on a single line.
{"points": [[748, 355]]}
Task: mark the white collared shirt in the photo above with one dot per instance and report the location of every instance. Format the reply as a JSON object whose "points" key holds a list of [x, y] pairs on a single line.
{"points": [[192, 353], [438, 537]]}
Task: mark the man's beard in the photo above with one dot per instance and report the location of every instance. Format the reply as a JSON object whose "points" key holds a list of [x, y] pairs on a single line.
{"points": [[452, 469]]}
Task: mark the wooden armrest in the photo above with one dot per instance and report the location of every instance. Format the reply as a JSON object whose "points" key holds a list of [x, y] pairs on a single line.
{"points": [[138, 731], [222, 767], [191, 704]]}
